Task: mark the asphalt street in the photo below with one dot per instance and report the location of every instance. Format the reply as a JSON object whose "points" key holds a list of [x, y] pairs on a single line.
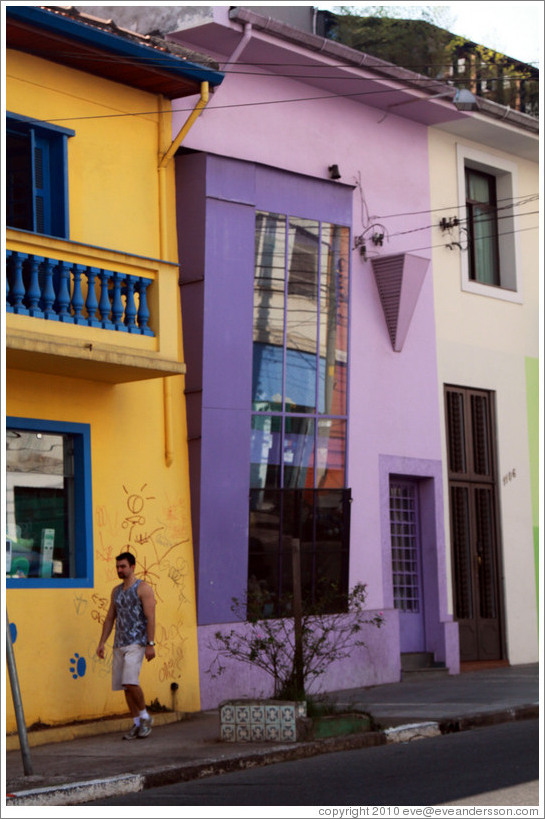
{"points": [[434, 771]]}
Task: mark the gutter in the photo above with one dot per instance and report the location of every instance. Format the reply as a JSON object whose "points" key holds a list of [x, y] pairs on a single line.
{"points": [[163, 230], [358, 59]]}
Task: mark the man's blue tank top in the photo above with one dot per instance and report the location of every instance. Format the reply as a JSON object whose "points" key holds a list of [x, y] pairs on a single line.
{"points": [[130, 625]]}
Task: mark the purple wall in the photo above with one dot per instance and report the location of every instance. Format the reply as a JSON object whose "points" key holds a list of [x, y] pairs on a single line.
{"points": [[217, 314], [274, 157]]}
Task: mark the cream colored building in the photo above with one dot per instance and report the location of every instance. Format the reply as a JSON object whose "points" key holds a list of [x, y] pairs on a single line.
{"points": [[484, 199]]}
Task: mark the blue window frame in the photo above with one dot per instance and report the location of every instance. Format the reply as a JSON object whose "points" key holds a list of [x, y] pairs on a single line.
{"points": [[37, 176], [49, 524]]}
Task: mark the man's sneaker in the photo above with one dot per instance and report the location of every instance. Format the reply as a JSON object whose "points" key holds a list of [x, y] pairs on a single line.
{"points": [[145, 727], [133, 733]]}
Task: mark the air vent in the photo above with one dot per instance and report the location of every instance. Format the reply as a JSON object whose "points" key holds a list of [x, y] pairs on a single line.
{"points": [[399, 280]]}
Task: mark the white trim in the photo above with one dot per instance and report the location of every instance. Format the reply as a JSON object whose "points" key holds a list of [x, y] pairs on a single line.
{"points": [[506, 174]]}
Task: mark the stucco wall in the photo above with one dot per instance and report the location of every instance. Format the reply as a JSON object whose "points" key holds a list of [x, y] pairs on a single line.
{"points": [[483, 342], [112, 159], [137, 499], [138, 503], [394, 396]]}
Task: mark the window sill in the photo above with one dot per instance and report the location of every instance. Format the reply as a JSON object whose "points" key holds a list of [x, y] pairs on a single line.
{"points": [[492, 291]]}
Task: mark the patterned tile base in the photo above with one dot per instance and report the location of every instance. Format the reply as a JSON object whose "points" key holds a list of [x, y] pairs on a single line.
{"points": [[260, 720]]}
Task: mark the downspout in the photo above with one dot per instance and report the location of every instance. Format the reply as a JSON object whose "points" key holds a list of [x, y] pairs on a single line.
{"points": [[163, 232], [240, 47]]}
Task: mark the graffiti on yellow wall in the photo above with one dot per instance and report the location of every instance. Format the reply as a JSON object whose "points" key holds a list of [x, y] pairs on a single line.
{"points": [[157, 532]]}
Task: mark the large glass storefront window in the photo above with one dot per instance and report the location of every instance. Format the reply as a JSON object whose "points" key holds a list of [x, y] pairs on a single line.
{"points": [[299, 403], [47, 503]]}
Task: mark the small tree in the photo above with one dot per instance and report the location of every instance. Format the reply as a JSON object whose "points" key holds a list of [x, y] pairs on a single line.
{"points": [[269, 644]]}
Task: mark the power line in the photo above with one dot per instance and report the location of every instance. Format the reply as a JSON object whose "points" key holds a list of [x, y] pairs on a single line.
{"points": [[531, 197], [212, 107], [463, 222], [448, 244], [160, 56]]}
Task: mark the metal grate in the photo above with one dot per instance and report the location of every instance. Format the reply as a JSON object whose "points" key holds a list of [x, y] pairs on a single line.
{"points": [[404, 536]]}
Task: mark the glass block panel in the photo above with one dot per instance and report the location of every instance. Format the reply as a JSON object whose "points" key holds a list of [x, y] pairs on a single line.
{"points": [[404, 536]]}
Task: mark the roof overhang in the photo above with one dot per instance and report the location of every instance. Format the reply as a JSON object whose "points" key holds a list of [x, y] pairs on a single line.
{"points": [[62, 38], [336, 69]]}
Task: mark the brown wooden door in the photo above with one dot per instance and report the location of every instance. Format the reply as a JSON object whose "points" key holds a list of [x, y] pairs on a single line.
{"points": [[473, 522]]}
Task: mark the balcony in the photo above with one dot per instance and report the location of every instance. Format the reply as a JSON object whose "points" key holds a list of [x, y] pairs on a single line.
{"points": [[88, 312]]}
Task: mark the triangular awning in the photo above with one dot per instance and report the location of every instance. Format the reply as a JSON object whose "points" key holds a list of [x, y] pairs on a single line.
{"points": [[399, 280]]}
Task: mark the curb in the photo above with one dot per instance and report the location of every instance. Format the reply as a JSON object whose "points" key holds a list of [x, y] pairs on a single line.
{"points": [[80, 792], [482, 719]]}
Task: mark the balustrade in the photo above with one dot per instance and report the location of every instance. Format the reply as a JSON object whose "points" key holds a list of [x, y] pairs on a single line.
{"points": [[76, 294]]}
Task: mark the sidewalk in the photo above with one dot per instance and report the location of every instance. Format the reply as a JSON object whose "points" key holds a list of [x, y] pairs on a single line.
{"points": [[72, 771]]}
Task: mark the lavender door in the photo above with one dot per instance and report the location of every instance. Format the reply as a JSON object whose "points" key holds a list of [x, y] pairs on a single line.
{"points": [[407, 563]]}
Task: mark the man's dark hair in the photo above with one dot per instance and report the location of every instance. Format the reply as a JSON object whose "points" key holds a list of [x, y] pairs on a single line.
{"points": [[127, 556]]}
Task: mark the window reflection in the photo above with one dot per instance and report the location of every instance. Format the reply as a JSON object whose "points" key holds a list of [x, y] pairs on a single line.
{"points": [[270, 251], [298, 444], [39, 500]]}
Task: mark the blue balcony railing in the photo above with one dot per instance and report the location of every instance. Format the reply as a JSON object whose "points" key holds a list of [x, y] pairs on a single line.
{"points": [[74, 293]]}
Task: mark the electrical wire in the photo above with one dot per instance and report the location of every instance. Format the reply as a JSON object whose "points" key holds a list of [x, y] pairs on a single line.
{"points": [[461, 223], [164, 58], [212, 107], [531, 197]]}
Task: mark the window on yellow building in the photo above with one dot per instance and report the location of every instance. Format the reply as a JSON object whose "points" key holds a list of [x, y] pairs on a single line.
{"points": [[48, 503], [36, 176]]}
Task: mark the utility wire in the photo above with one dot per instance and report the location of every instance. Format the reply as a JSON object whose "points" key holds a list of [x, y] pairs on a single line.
{"points": [[165, 57], [462, 222], [524, 200], [212, 107]]}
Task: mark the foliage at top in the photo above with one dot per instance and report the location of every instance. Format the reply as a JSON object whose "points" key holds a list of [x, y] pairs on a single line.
{"points": [[417, 38]]}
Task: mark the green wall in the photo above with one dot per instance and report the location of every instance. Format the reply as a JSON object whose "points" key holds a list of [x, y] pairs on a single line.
{"points": [[532, 403]]}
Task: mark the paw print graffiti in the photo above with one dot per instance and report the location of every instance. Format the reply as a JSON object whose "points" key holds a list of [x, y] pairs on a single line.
{"points": [[78, 666]]}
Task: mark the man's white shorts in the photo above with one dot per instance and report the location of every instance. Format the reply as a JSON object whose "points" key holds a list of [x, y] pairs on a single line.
{"points": [[126, 665]]}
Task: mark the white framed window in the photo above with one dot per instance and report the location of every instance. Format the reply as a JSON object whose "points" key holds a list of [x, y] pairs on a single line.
{"points": [[502, 186]]}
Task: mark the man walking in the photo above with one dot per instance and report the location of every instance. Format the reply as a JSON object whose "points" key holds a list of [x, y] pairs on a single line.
{"points": [[132, 607]]}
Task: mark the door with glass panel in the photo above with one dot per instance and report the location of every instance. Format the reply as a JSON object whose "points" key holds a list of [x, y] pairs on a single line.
{"points": [[407, 563], [473, 522]]}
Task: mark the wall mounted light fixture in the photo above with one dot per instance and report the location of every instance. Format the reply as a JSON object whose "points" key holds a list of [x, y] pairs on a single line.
{"points": [[464, 100], [334, 172]]}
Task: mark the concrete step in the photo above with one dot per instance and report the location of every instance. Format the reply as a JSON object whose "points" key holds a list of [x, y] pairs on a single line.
{"points": [[424, 673], [421, 665]]}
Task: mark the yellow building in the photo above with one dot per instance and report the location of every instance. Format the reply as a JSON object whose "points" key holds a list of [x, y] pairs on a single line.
{"points": [[96, 439]]}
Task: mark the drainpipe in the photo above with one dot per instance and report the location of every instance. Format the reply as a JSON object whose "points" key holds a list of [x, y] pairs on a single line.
{"points": [[240, 47], [163, 232]]}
